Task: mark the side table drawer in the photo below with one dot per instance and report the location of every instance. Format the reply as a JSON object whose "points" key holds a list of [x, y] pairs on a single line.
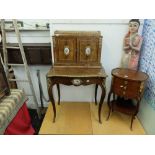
{"points": [[126, 88]]}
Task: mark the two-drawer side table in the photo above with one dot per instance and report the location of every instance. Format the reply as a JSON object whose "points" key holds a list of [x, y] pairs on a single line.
{"points": [[127, 85]]}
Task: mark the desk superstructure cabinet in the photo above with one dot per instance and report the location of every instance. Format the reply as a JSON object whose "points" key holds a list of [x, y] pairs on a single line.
{"points": [[77, 48]]}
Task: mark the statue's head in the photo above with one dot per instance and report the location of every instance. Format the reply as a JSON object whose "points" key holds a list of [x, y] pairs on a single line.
{"points": [[134, 25]]}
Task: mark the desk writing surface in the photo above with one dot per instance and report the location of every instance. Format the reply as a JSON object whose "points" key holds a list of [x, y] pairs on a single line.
{"points": [[76, 72]]}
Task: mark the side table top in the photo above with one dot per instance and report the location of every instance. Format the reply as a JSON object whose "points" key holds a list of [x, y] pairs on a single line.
{"points": [[76, 72], [129, 74]]}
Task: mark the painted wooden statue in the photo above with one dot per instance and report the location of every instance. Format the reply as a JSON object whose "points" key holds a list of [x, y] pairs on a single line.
{"points": [[132, 45]]}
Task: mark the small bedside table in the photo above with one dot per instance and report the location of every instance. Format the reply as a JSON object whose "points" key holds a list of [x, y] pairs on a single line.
{"points": [[127, 85]]}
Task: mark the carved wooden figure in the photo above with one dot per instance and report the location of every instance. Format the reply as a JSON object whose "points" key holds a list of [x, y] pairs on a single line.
{"points": [[132, 45]]}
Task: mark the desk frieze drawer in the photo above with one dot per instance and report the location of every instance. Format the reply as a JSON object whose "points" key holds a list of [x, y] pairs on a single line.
{"points": [[76, 81]]}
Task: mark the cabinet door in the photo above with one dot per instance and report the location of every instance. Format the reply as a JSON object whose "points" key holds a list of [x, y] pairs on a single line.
{"points": [[88, 50], [4, 87], [65, 49], [46, 57], [14, 56], [34, 55]]}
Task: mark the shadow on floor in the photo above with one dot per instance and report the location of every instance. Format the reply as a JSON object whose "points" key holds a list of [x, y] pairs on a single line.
{"points": [[36, 122]]}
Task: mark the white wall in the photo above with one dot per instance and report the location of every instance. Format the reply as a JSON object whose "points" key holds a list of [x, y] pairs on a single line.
{"points": [[146, 116], [33, 70], [113, 32]]}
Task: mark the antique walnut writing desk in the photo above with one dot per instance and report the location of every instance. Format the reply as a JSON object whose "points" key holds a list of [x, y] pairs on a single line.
{"points": [[127, 85], [76, 62]]}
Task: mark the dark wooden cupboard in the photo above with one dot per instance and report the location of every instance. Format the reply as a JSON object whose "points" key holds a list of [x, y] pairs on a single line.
{"points": [[36, 54]]}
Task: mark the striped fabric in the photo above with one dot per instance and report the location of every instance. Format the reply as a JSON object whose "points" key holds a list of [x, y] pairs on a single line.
{"points": [[9, 107]]}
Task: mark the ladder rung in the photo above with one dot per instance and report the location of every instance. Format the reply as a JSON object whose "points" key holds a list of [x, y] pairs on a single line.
{"points": [[12, 47], [10, 70], [29, 95], [18, 80], [9, 29], [16, 64]]}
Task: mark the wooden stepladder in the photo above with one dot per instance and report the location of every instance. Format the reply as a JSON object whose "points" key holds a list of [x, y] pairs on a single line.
{"points": [[24, 64]]}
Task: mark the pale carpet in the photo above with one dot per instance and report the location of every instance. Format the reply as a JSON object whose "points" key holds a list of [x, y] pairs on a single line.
{"points": [[82, 118]]}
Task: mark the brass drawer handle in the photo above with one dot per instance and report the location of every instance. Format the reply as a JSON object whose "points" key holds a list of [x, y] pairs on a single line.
{"points": [[76, 82], [124, 87], [125, 82], [141, 87], [124, 92]]}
